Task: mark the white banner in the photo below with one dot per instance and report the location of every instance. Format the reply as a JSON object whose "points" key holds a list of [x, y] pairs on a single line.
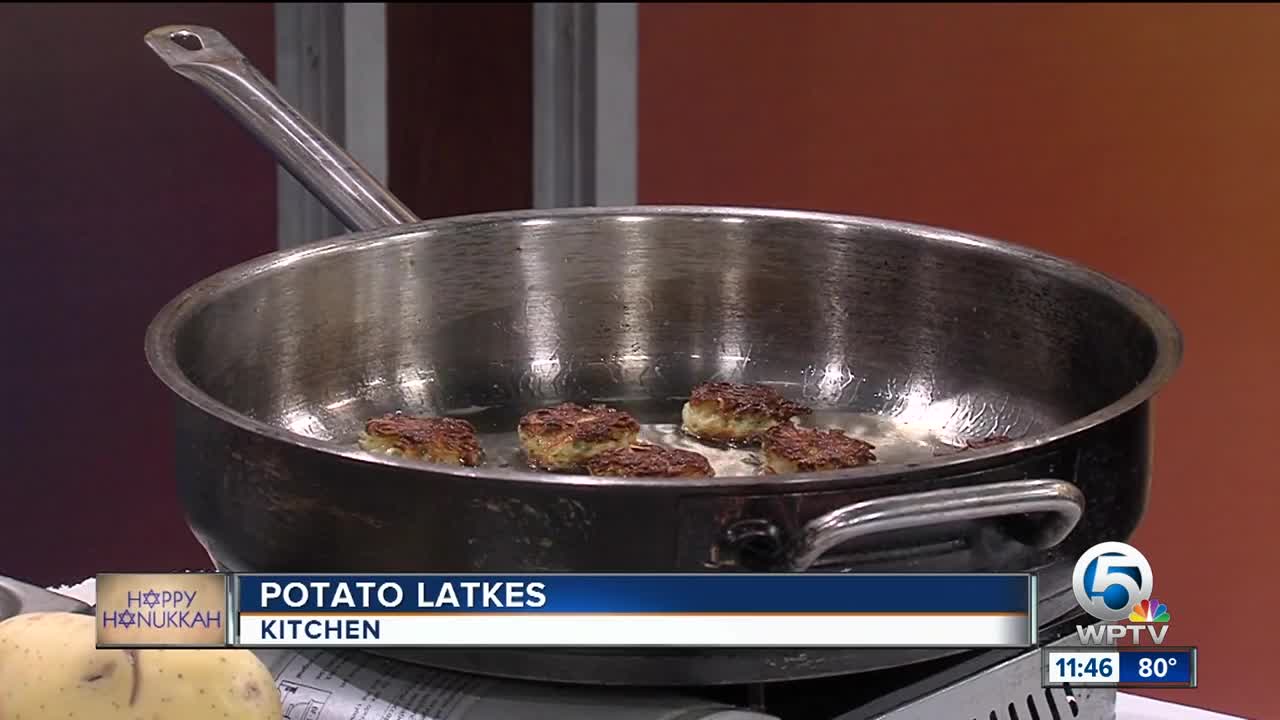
{"points": [[634, 630]]}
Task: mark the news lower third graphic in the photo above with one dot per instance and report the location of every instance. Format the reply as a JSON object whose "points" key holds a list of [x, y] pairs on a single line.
{"points": [[793, 610], [1113, 582], [188, 610], [697, 610]]}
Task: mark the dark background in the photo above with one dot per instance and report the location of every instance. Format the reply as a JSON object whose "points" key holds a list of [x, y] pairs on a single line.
{"points": [[121, 184], [459, 106]]}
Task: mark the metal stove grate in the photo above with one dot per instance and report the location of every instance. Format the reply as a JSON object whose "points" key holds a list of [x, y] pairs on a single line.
{"points": [[1055, 705], [1009, 690]]}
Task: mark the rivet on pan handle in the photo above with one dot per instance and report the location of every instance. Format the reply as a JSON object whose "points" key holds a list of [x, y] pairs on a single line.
{"points": [[1061, 501], [205, 57]]}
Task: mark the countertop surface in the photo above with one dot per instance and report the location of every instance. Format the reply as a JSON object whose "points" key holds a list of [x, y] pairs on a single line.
{"points": [[1134, 707]]}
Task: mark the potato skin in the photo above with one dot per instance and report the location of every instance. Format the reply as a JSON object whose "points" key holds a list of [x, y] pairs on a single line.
{"points": [[49, 668], [207, 685]]}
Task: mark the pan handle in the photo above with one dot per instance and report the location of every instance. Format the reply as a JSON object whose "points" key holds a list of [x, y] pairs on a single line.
{"points": [[1061, 501], [205, 57]]}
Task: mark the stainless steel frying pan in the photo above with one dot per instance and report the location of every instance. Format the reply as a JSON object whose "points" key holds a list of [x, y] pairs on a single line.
{"points": [[911, 337]]}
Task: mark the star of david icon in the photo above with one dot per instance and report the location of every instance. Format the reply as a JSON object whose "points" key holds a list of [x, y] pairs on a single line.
{"points": [[125, 618], [151, 598]]}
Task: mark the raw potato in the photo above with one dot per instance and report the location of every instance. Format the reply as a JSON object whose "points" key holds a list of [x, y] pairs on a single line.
{"points": [[50, 669]]}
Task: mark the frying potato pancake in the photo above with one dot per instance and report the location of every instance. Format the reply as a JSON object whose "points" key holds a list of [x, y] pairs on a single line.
{"points": [[792, 449], [649, 460], [449, 441], [566, 436], [736, 413]]}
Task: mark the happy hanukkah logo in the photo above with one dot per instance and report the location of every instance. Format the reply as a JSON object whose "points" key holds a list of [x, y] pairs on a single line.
{"points": [[153, 610]]}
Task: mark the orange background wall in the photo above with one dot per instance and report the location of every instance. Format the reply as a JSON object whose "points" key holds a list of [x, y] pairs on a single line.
{"points": [[1143, 141]]}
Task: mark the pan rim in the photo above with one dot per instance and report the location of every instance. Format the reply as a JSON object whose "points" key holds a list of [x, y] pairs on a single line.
{"points": [[160, 344]]}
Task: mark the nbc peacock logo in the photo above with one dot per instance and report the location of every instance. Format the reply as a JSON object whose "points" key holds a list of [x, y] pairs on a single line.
{"points": [[1150, 611]]}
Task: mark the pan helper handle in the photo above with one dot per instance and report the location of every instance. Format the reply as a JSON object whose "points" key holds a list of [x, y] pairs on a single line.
{"points": [[205, 57], [1060, 501]]}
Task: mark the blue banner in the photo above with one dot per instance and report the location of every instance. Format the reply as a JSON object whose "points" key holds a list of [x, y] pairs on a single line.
{"points": [[1157, 667], [720, 593]]}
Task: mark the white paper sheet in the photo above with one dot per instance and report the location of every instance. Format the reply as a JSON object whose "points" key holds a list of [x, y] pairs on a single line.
{"points": [[325, 686], [321, 685]]}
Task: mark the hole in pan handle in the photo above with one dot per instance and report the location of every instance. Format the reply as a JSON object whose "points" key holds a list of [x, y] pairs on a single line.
{"points": [[1061, 503], [205, 57]]}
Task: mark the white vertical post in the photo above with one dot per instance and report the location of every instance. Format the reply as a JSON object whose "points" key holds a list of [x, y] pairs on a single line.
{"points": [[331, 61], [616, 104], [584, 104], [365, 37]]}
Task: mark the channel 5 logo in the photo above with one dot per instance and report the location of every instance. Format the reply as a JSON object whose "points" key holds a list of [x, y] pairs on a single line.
{"points": [[1112, 582]]}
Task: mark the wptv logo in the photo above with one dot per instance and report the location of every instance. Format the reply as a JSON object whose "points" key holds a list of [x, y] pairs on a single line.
{"points": [[1113, 582]]}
